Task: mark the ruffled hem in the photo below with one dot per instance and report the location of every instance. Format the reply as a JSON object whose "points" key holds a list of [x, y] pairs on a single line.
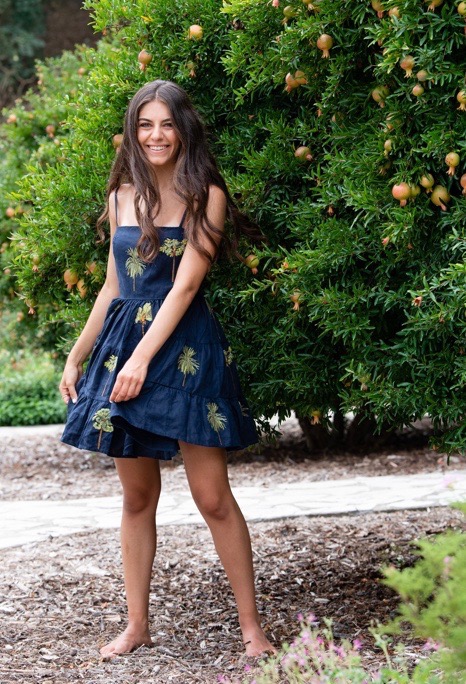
{"points": [[152, 423]]}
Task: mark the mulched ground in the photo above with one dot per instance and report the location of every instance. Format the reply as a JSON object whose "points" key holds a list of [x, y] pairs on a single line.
{"points": [[61, 599]]}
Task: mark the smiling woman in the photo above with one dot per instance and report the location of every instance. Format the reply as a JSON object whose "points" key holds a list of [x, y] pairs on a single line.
{"points": [[162, 375], [156, 133]]}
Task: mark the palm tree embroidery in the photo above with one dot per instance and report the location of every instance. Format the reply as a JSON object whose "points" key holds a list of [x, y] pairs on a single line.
{"points": [[187, 363], [101, 421], [216, 420], [143, 315], [228, 355], [134, 265], [173, 248], [110, 365]]}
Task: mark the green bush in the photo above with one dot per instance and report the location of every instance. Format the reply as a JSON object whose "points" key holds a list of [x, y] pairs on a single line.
{"points": [[33, 134], [359, 303], [29, 391], [433, 594]]}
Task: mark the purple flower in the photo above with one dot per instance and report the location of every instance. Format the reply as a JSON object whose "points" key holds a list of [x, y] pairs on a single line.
{"points": [[357, 644], [300, 617]]}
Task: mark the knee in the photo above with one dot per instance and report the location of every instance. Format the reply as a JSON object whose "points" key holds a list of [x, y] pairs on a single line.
{"points": [[214, 506], [140, 500]]}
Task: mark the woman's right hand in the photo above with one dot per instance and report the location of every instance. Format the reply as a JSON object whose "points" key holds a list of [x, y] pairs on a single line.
{"points": [[69, 380]]}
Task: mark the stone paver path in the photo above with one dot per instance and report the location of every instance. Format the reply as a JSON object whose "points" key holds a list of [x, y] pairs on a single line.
{"points": [[31, 521]]}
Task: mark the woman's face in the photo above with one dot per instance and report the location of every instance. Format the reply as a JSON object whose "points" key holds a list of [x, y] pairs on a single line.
{"points": [[156, 134]]}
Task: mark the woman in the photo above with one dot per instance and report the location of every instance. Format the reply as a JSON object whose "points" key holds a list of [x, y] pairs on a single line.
{"points": [[162, 377]]}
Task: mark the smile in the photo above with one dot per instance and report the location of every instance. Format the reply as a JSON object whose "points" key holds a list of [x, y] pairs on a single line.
{"points": [[157, 148]]}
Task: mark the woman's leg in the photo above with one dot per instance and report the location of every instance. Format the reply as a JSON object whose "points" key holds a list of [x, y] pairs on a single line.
{"points": [[140, 479], [207, 474]]}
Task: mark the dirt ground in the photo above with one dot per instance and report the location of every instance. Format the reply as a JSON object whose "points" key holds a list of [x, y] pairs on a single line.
{"points": [[61, 599]]}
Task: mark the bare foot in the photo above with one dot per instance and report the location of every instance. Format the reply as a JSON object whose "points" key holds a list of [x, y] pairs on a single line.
{"points": [[256, 643], [126, 642]]}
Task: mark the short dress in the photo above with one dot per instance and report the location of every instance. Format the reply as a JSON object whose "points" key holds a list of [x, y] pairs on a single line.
{"points": [[192, 390]]}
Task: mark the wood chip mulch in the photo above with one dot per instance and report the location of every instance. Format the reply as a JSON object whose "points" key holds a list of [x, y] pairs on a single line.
{"points": [[62, 599]]}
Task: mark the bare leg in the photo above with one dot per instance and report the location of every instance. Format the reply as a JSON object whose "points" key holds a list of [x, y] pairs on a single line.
{"points": [[207, 474], [140, 479]]}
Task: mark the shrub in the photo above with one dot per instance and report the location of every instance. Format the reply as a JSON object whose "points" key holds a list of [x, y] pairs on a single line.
{"points": [[433, 594], [29, 391], [34, 134], [359, 302]]}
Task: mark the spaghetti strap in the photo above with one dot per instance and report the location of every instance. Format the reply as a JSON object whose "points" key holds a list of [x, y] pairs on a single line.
{"points": [[116, 207], [183, 217]]}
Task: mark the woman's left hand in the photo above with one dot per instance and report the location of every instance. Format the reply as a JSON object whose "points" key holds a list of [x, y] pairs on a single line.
{"points": [[129, 380]]}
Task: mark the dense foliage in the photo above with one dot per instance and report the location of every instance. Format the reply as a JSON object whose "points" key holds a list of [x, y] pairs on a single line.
{"points": [[32, 138], [28, 389], [359, 302], [21, 28]]}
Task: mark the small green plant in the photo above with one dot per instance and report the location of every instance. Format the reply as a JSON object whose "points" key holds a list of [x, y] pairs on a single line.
{"points": [[433, 594]]}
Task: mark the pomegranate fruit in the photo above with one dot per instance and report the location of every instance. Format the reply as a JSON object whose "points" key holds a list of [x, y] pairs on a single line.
{"points": [[415, 190], [433, 4], [117, 140], [452, 159], [387, 146], [407, 64], [379, 94], [71, 278], [427, 181], [144, 58], [461, 9], [378, 7], [303, 154], [463, 183], [394, 12], [296, 298], [325, 43], [417, 301], [461, 97], [440, 197], [422, 75], [252, 262], [81, 288], [402, 193], [195, 32], [10, 212], [12, 119], [418, 90]]}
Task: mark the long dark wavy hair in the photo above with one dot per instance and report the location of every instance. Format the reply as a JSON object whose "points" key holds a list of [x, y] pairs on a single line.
{"points": [[195, 170]]}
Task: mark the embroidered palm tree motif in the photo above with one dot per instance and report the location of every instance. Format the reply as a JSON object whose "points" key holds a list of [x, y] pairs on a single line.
{"points": [[228, 355], [134, 265], [216, 420], [101, 421], [110, 365], [173, 248], [143, 315], [187, 363]]}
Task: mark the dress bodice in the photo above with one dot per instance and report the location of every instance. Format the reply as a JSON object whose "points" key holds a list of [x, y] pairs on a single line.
{"points": [[147, 280]]}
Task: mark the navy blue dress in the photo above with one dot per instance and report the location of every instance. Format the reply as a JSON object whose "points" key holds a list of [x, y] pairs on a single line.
{"points": [[191, 391]]}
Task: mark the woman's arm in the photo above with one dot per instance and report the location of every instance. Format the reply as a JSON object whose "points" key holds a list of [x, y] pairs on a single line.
{"points": [[190, 274], [85, 342]]}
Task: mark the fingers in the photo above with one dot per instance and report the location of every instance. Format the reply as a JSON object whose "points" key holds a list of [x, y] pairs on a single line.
{"points": [[68, 393], [125, 389]]}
